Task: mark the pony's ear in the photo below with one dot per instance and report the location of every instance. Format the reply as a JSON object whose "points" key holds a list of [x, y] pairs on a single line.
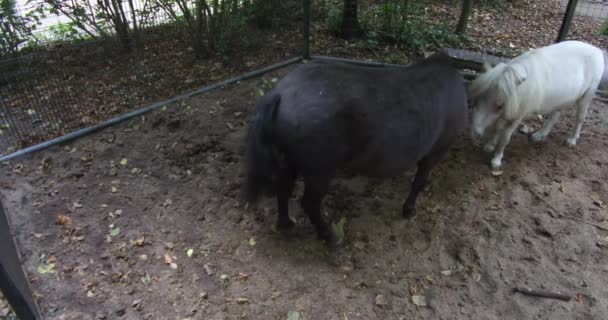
{"points": [[520, 80], [486, 66]]}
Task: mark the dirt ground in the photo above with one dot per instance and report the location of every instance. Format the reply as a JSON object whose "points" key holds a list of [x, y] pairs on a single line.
{"points": [[142, 221]]}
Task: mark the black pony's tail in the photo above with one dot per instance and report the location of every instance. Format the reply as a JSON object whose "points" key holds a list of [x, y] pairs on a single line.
{"points": [[261, 161]]}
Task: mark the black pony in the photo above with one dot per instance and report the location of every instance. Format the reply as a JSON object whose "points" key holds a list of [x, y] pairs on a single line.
{"points": [[325, 117]]}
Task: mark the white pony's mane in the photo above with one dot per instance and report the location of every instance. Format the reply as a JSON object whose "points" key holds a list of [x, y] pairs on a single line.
{"points": [[514, 83]]}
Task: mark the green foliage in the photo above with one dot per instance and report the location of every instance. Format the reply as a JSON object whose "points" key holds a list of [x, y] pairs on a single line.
{"points": [[334, 18], [210, 26], [94, 19], [604, 29], [405, 23], [270, 13], [14, 28], [61, 32]]}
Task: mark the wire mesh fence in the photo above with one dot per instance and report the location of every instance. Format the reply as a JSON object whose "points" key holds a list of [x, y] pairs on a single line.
{"points": [[63, 72], [597, 9], [68, 64]]}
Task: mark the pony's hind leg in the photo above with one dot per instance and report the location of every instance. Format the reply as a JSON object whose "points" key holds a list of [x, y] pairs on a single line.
{"points": [[544, 131], [582, 105], [285, 184], [314, 192], [420, 180], [505, 137]]}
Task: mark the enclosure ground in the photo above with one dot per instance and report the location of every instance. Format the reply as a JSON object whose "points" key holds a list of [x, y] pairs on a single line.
{"points": [[142, 221]]}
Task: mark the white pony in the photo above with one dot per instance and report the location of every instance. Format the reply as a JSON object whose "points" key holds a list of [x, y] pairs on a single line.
{"points": [[544, 80]]}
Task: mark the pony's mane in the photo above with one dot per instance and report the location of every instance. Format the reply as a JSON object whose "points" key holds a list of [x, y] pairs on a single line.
{"points": [[484, 81], [511, 84]]}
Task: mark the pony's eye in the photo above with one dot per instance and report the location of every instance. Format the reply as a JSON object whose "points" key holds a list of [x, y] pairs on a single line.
{"points": [[499, 107]]}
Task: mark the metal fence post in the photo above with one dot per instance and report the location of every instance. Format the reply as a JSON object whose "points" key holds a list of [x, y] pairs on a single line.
{"points": [[13, 281], [563, 30], [306, 31]]}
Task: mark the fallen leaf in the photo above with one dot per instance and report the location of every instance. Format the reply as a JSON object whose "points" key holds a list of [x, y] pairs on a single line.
{"points": [[419, 300], [124, 161], [168, 259], [77, 205], [275, 295], [114, 232], [90, 294], [208, 269], [137, 303], [476, 276], [138, 242], [252, 242], [64, 220], [243, 276], [46, 268], [339, 228], [189, 253], [380, 300], [446, 272], [173, 265], [114, 189], [599, 203], [578, 297], [242, 300], [224, 277], [294, 315], [561, 188]]}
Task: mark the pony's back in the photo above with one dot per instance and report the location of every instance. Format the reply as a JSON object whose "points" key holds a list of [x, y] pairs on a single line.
{"points": [[540, 79]]}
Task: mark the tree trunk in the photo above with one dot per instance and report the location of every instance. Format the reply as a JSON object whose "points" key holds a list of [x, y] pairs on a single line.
{"points": [[465, 13], [350, 22]]}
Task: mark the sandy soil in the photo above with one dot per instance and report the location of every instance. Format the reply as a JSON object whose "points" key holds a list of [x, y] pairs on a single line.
{"points": [[142, 221]]}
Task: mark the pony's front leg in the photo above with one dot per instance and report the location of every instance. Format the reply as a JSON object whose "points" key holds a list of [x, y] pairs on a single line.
{"points": [[314, 192], [581, 112], [497, 129], [503, 140]]}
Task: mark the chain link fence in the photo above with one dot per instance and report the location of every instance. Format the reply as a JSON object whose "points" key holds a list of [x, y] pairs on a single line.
{"points": [[65, 65]]}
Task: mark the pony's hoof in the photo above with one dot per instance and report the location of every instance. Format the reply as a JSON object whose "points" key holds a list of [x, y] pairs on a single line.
{"points": [[489, 147], [496, 164], [537, 137], [409, 212], [571, 142]]}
